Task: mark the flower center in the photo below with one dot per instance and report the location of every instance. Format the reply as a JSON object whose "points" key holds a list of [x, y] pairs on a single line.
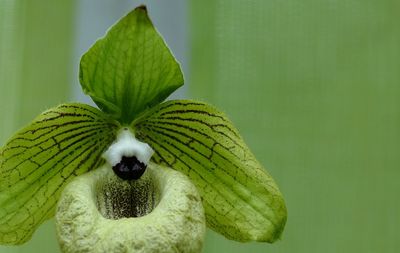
{"points": [[129, 168], [116, 198], [127, 156]]}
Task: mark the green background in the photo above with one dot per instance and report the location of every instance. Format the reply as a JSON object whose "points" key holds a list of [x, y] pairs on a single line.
{"points": [[313, 86]]}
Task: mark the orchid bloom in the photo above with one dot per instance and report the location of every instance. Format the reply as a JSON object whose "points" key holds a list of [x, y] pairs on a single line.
{"points": [[137, 174]]}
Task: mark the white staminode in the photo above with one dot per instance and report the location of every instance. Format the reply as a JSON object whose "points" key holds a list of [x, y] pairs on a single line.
{"points": [[127, 145]]}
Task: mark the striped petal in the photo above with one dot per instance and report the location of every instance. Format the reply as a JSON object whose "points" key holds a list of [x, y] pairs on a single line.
{"points": [[240, 198], [40, 159]]}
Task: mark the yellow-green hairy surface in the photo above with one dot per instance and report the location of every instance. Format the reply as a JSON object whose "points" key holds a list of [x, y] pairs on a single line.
{"points": [[41, 159], [241, 200], [176, 223]]}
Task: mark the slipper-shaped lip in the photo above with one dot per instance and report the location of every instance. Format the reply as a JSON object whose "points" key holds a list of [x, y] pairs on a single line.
{"points": [[176, 224]]}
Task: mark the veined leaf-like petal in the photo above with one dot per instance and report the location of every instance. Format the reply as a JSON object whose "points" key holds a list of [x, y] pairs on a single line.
{"points": [[241, 200], [130, 69], [40, 159]]}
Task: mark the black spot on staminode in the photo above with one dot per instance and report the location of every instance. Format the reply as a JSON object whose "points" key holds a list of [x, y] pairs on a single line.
{"points": [[129, 168]]}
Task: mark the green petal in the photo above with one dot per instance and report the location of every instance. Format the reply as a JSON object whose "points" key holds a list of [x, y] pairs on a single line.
{"points": [[40, 159], [240, 198], [130, 69]]}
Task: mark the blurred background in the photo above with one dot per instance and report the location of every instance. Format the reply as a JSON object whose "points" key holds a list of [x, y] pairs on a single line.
{"points": [[313, 86]]}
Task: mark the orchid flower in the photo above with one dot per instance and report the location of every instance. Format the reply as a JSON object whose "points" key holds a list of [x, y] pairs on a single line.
{"points": [[137, 174]]}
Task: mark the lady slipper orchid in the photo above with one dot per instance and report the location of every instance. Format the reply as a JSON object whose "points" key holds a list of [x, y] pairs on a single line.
{"points": [[135, 174]]}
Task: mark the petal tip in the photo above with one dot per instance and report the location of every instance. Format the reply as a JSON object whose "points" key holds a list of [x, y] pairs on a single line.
{"points": [[142, 8]]}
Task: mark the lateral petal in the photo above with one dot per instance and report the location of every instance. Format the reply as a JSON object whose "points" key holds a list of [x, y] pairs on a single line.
{"points": [[241, 200], [40, 159]]}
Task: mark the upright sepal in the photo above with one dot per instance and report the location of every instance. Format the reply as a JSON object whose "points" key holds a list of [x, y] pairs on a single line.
{"points": [[130, 69], [241, 200], [40, 159]]}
